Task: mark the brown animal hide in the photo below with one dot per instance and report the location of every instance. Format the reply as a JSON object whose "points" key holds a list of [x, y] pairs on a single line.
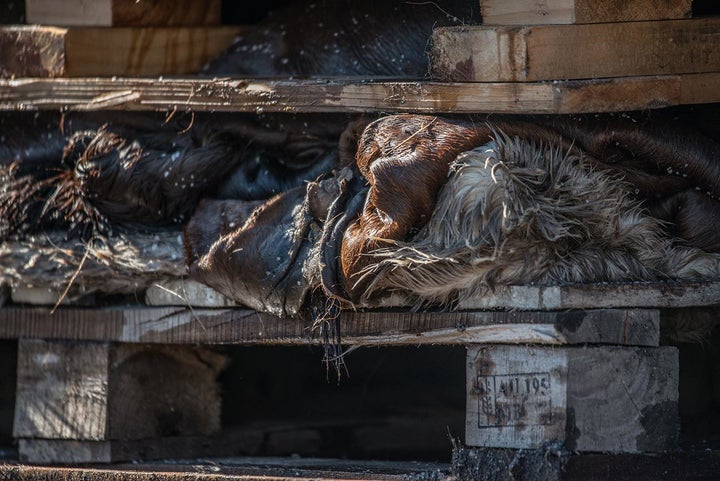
{"points": [[406, 159], [452, 208], [342, 37]]}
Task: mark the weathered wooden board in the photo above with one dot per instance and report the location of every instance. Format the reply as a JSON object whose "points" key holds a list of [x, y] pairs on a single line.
{"points": [[34, 51], [468, 464], [578, 296], [62, 390], [608, 399], [47, 296], [122, 13], [548, 52], [263, 469], [185, 292], [89, 391], [548, 12], [182, 325], [353, 95]]}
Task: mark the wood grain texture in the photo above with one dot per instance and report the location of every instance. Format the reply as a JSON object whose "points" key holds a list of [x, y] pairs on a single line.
{"points": [[185, 292], [126, 13], [353, 95], [181, 325], [533, 53], [91, 51], [89, 391], [264, 469], [62, 390], [662, 294], [548, 12], [607, 399]]}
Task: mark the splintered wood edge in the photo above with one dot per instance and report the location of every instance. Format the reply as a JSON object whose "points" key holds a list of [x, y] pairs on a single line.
{"points": [[355, 95]]}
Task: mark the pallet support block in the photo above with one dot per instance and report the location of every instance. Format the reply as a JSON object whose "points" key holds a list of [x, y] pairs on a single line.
{"points": [[590, 51], [548, 12], [609, 399], [116, 13], [74, 398]]}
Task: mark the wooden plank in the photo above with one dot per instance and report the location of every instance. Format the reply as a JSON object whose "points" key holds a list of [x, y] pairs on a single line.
{"points": [[532, 53], [123, 13], [47, 296], [61, 390], [185, 292], [608, 399], [548, 12], [88, 391], [578, 296], [89, 51], [364, 328], [348, 95], [210, 471]]}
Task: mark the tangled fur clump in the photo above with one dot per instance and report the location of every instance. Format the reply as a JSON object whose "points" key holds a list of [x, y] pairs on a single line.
{"points": [[520, 212]]}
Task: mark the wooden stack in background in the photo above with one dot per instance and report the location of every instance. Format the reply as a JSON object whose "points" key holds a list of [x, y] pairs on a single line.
{"points": [[70, 38], [609, 43]]}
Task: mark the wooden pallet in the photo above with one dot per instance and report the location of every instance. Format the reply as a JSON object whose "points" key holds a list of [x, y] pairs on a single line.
{"points": [[359, 95], [38, 51], [549, 12], [549, 52], [123, 13]]}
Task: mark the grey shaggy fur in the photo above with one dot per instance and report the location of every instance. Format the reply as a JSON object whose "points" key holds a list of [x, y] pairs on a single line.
{"points": [[514, 212]]}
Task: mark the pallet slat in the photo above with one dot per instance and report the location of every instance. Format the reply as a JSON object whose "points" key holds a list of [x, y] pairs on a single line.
{"points": [[547, 52], [34, 51], [116, 13], [237, 326], [548, 12], [352, 95], [88, 393]]}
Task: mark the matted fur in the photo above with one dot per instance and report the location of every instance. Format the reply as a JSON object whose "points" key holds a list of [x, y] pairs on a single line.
{"points": [[516, 212]]}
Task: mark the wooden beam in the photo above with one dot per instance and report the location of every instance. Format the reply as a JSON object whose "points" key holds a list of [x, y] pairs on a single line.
{"points": [[182, 325], [532, 53], [123, 13], [264, 469], [578, 296], [185, 292], [548, 12], [353, 95], [601, 399], [97, 392], [89, 51]]}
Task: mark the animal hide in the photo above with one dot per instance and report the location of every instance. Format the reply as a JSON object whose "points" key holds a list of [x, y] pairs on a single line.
{"points": [[398, 151], [515, 212], [442, 209], [261, 254]]}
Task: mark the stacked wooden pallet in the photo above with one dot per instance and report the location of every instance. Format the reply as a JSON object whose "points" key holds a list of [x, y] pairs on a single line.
{"points": [[549, 57], [576, 367], [73, 38], [624, 48]]}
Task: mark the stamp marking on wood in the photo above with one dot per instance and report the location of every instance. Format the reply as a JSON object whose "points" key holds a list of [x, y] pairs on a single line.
{"points": [[605, 398], [516, 400]]}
